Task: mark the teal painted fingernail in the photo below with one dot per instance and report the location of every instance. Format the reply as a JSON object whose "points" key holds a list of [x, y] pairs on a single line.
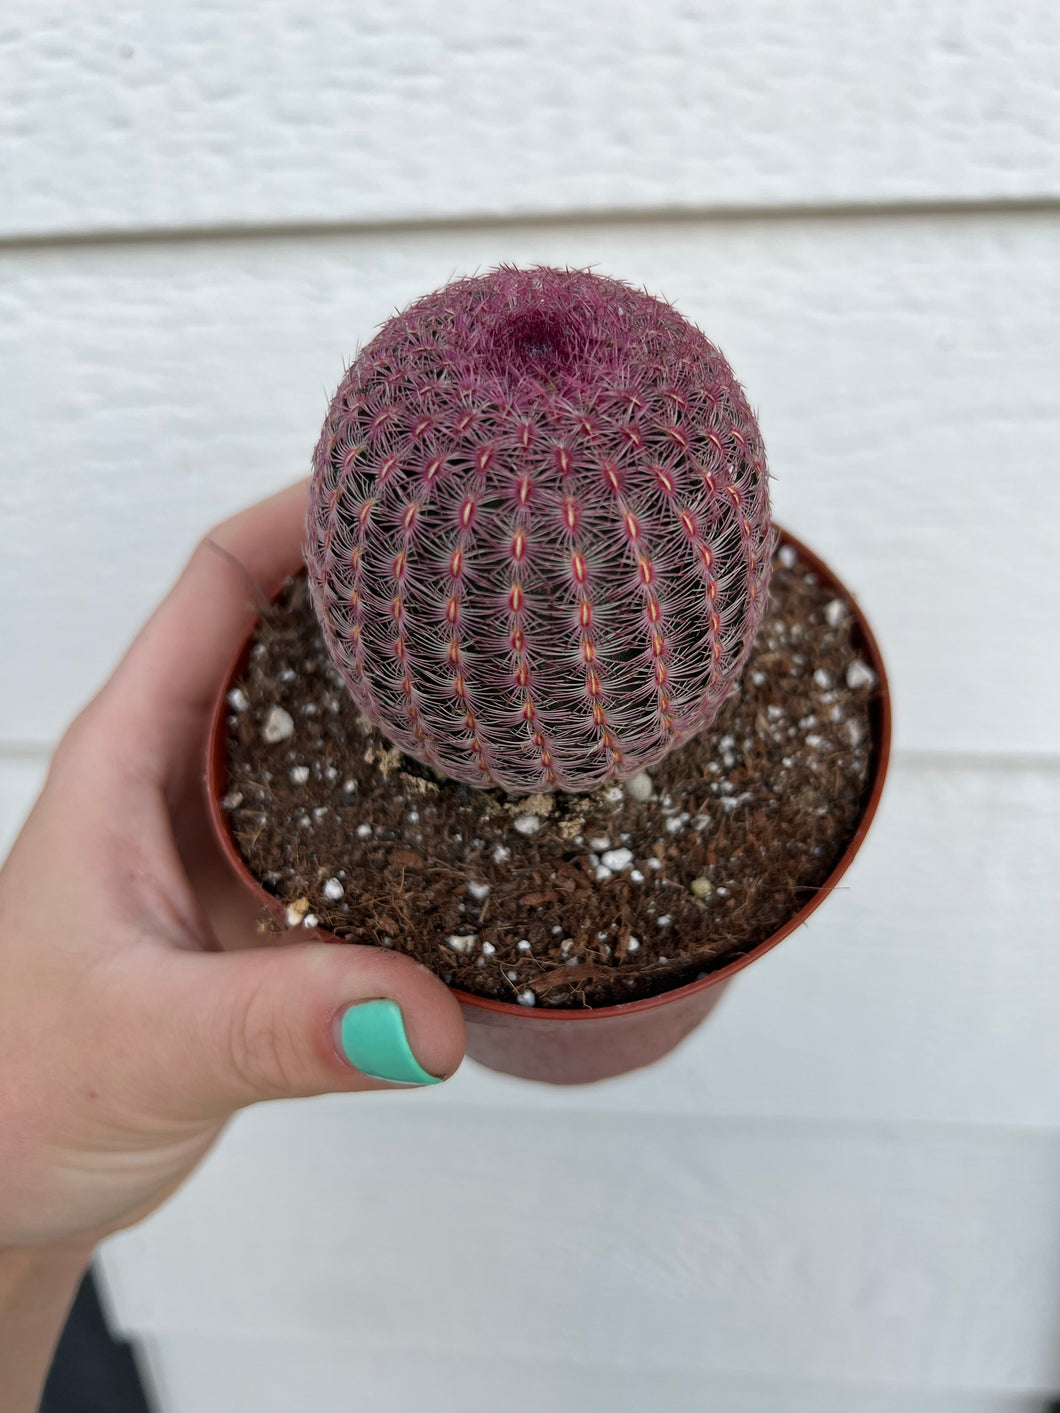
{"points": [[373, 1039]]}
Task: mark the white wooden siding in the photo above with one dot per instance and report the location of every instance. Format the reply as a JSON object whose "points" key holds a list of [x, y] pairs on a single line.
{"points": [[190, 113], [843, 1193]]}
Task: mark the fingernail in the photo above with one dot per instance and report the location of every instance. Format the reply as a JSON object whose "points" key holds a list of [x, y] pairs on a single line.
{"points": [[372, 1037]]}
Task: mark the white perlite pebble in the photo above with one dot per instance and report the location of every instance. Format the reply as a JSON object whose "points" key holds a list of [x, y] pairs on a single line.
{"points": [[600, 843], [834, 613], [602, 873], [640, 787], [823, 679], [333, 890], [237, 699], [617, 859], [787, 556], [363, 831], [310, 920], [522, 945], [701, 887], [277, 727], [296, 911], [461, 942], [527, 998], [479, 891], [636, 876], [613, 795], [527, 824], [500, 854], [859, 674], [488, 948], [232, 800], [633, 945], [299, 774], [664, 921]]}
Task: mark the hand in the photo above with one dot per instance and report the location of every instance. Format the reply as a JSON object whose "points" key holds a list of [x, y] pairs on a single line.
{"points": [[136, 1014]]}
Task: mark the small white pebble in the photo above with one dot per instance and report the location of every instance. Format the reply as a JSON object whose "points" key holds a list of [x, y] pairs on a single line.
{"points": [[488, 949], [296, 911], [676, 823], [299, 774], [787, 556], [633, 945], [565, 945], [232, 800], [774, 712], [636, 876], [479, 891], [413, 816], [330, 774], [600, 843], [860, 674], [500, 854], [522, 945], [320, 812], [640, 787], [835, 612], [527, 998], [527, 824], [664, 920], [348, 787], [723, 892], [823, 679], [701, 887], [461, 942], [511, 975], [815, 742], [613, 795], [855, 732], [617, 859], [310, 920], [602, 873], [333, 890], [363, 831], [556, 930], [237, 699], [278, 726], [758, 678], [288, 674], [654, 864]]}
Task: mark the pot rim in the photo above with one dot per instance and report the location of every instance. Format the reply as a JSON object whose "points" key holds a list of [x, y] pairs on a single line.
{"points": [[880, 709]]}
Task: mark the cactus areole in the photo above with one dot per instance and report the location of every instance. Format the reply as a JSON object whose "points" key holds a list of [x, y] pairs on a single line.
{"points": [[539, 540]]}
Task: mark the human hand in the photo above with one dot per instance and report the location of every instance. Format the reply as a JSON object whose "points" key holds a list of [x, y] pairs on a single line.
{"points": [[133, 1018]]}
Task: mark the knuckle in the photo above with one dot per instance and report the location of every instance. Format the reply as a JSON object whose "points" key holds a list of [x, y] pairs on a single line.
{"points": [[267, 1053]]}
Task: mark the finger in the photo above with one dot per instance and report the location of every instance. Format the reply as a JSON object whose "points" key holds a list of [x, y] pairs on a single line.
{"points": [[163, 691], [289, 1021]]}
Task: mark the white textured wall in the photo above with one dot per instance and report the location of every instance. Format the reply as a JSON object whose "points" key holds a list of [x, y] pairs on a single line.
{"points": [[843, 1194]]}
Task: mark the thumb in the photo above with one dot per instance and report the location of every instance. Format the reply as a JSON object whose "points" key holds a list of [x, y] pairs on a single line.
{"points": [[294, 1020]]}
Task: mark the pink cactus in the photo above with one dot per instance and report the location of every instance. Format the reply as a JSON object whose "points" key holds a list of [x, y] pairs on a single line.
{"points": [[539, 539]]}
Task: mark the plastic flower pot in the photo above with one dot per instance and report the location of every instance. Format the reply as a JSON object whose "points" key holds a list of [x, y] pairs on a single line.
{"points": [[584, 1045]]}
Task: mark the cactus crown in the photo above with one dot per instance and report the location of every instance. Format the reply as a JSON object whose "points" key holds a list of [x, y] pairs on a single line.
{"points": [[539, 540]]}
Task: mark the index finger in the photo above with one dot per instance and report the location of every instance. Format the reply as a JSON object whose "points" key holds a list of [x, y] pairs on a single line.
{"points": [[165, 686]]}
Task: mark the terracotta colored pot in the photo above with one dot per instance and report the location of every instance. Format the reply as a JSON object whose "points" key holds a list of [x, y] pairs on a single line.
{"points": [[580, 1046]]}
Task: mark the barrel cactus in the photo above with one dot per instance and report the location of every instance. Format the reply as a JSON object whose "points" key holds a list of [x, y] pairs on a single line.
{"points": [[538, 541]]}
